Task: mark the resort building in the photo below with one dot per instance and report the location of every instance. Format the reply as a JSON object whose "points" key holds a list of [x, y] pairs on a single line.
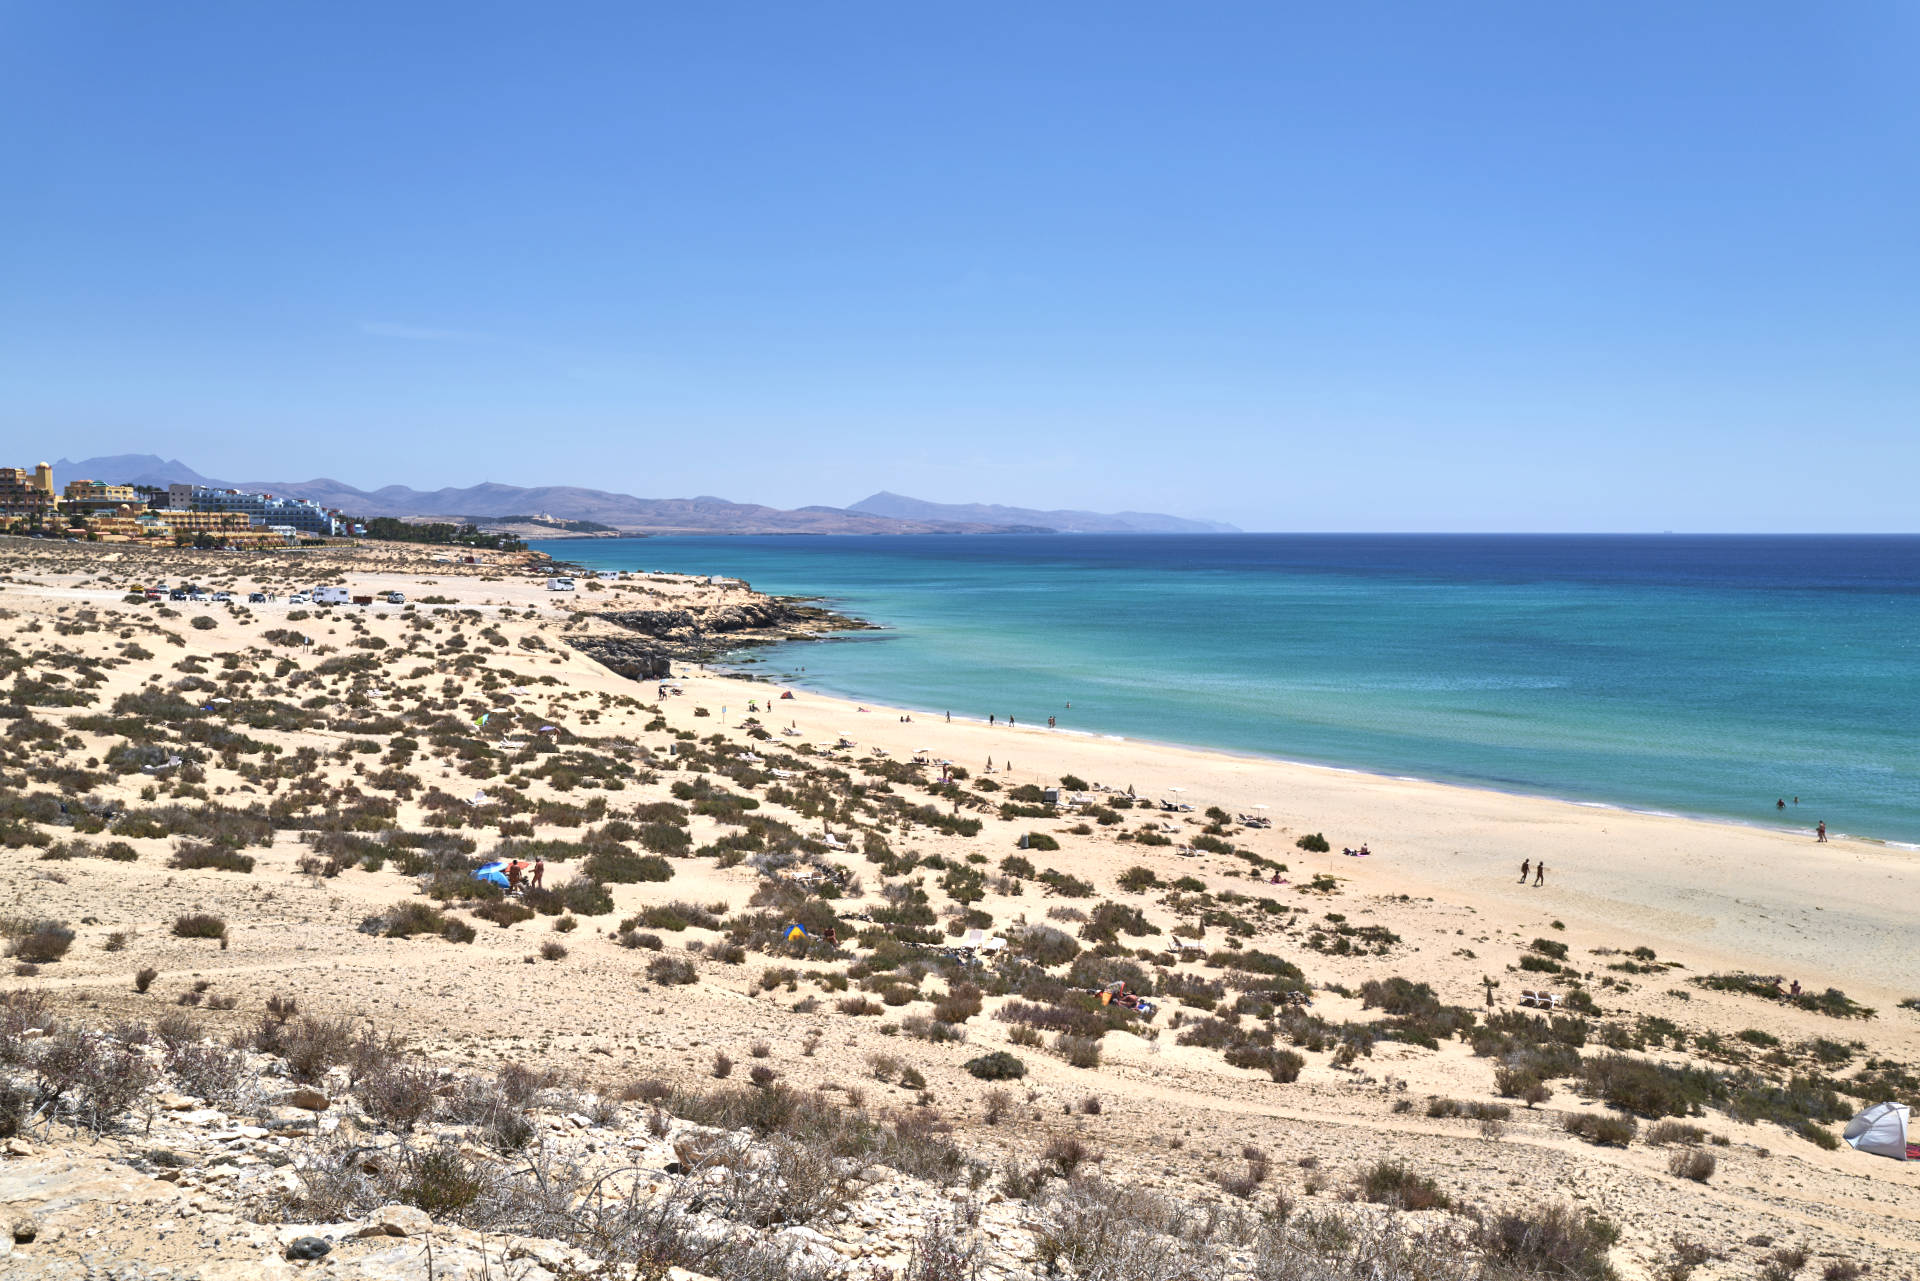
{"points": [[26, 494], [262, 509], [83, 496]]}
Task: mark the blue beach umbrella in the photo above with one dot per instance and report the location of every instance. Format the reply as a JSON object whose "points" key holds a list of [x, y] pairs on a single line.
{"points": [[492, 873]]}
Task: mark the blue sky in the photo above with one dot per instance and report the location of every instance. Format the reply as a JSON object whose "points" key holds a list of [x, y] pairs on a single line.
{"points": [[1497, 266]]}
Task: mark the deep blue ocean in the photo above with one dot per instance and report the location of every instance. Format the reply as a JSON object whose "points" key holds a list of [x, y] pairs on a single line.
{"points": [[1698, 675]]}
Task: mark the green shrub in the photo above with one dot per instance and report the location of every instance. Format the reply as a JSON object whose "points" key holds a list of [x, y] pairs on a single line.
{"points": [[1649, 1089], [997, 1066], [1041, 841], [195, 855], [1066, 886], [1314, 842], [503, 912], [624, 867], [1282, 1065]]}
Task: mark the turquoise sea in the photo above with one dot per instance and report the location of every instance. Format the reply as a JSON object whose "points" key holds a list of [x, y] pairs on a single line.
{"points": [[1699, 675]]}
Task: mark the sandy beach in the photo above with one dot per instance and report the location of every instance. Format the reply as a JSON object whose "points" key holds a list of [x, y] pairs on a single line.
{"points": [[1441, 882]]}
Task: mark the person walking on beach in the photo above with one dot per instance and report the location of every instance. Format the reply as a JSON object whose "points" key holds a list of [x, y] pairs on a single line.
{"points": [[1540, 872], [990, 716], [1820, 832], [1526, 867], [539, 872], [949, 718]]}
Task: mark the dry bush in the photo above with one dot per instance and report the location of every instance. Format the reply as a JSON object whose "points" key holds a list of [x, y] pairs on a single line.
{"points": [[208, 1071], [90, 1077], [1661, 1133], [1390, 1183], [1691, 1163], [1323, 1247], [1067, 1154], [1106, 1232], [199, 925], [398, 1095], [1557, 1241], [41, 942], [669, 971], [1601, 1128], [1080, 1051]]}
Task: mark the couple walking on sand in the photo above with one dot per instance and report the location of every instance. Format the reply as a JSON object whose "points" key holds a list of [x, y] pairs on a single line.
{"points": [[1539, 871]]}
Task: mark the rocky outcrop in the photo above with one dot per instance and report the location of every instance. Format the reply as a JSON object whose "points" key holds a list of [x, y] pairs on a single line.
{"points": [[693, 625], [633, 659], [699, 632]]}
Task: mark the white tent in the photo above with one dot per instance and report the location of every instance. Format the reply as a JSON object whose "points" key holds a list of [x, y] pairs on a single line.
{"points": [[1881, 1130]]}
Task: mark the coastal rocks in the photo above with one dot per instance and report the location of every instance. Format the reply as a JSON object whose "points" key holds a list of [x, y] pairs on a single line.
{"points": [[632, 659], [698, 632], [715, 620]]}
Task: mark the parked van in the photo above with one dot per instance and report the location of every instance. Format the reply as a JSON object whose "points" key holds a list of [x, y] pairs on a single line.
{"points": [[559, 584], [332, 596]]}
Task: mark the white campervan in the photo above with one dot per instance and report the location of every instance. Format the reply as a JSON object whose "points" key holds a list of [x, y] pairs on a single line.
{"points": [[559, 584], [332, 596]]}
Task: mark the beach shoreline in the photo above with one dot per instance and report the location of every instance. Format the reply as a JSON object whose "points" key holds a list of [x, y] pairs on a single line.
{"points": [[725, 664]]}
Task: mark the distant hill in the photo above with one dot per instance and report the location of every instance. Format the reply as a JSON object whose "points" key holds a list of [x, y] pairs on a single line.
{"points": [[884, 513], [129, 469], [707, 515], [900, 507]]}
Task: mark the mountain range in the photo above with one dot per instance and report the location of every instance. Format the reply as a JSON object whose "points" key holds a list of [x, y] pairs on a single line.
{"points": [[883, 513], [900, 507]]}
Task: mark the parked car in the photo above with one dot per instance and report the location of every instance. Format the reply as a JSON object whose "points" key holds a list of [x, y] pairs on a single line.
{"points": [[177, 593], [223, 598], [256, 598], [299, 598], [395, 598]]}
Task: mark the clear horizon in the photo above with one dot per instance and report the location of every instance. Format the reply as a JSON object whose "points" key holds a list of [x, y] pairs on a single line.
{"points": [[1495, 270]]}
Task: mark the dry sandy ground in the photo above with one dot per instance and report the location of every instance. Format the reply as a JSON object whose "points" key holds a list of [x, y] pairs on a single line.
{"points": [[1442, 876]]}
